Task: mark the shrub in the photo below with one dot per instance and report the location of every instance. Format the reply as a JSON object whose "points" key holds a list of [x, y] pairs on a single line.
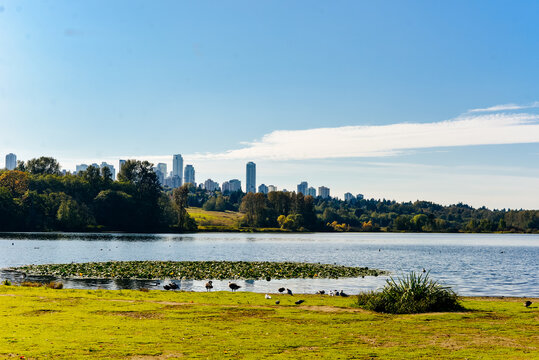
{"points": [[55, 285], [411, 294], [6, 282]]}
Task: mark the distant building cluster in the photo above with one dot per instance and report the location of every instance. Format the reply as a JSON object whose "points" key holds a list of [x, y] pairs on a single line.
{"points": [[186, 175]]}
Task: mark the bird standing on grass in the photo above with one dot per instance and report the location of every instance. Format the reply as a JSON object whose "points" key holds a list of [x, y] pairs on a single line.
{"points": [[282, 289], [209, 285], [267, 297], [289, 292], [300, 302], [527, 303], [320, 292], [277, 302], [343, 294], [233, 286]]}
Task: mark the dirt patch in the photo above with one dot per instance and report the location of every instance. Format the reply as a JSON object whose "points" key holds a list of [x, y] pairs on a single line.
{"points": [[142, 315], [39, 312]]}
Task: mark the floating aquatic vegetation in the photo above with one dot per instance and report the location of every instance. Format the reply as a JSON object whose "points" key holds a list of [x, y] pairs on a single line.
{"points": [[197, 270]]}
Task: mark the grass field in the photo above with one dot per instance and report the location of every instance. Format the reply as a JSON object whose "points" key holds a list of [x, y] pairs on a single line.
{"points": [[71, 324], [221, 221]]}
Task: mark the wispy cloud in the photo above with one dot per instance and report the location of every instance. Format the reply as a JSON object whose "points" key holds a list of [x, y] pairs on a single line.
{"points": [[387, 140], [506, 107]]}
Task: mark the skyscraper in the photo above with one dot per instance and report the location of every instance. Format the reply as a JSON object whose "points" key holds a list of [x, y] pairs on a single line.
{"points": [[302, 188], [121, 163], [272, 188], [348, 196], [163, 168], [11, 161], [311, 191], [177, 167], [263, 189], [190, 174], [323, 192], [111, 168], [251, 177]]}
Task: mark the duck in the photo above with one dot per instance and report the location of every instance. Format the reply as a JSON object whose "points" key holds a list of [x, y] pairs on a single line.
{"points": [[209, 285], [267, 297], [527, 303], [299, 302], [343, 294], [320, 292], [282, 289], [233, 286], [277, 302]]}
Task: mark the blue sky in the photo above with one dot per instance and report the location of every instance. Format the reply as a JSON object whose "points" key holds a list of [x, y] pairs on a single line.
{"points": [[275, 82]]}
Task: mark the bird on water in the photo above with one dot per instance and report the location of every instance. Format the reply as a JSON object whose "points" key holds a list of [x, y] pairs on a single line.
{"points": [[209, 285], [233, 286], [282, 289]]}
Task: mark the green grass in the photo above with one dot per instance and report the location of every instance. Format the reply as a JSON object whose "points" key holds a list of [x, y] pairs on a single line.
{"points": [[73, 324], [411, 294], [198, 270], [215, 220], [223, 221]]}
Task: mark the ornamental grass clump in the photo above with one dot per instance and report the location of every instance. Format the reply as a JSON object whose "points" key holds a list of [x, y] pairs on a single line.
{"points": [[411, 294]]}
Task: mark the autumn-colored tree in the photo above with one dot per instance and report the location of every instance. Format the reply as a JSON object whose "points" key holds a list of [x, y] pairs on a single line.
{"points": [[15, 181]]}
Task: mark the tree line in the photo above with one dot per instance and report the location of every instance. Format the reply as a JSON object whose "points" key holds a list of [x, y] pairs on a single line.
{"points": [[37, 197]]}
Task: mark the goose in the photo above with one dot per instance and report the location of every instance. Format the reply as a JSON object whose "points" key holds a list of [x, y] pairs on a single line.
{"points": [[331, 293], [320, 292], [267, 297], [173, 285], [300, 302], [233, 286], [337, 293], [527, 303], [343, 294], [209, 285]]}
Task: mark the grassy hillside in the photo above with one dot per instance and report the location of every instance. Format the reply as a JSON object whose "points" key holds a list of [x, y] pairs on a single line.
{"points": [[220, 220], [72, 324]]}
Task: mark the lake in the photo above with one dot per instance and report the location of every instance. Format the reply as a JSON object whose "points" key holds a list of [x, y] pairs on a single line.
{"points": [[473, 264]]}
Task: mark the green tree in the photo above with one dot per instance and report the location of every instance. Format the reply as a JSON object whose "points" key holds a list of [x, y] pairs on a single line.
{"points": [[73, 216], [180, 196], [43, 166]]}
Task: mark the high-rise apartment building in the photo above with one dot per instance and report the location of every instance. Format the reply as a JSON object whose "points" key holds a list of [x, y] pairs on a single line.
{"points": [[120, 164], [323, 192], [11, 161], [251, 177], [263, 189], [302, 187], [311, 191], [349, 197], [359, 196], [81, 167], [211, 185], [235, 185], [189, 174], [111, 168], [272, 188], [177, 167], [163, 168]]}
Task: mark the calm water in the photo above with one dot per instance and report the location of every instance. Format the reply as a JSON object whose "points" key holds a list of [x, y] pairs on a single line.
{"points": [[478, 264]]}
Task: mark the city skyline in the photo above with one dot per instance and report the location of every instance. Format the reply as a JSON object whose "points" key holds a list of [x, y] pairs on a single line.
{"points": [[405, 101]]}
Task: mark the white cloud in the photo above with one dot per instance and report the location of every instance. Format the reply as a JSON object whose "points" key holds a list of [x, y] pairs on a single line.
{"points": [[386, 140], [505, 107]]}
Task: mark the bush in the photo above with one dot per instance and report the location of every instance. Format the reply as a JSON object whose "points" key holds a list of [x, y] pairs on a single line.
{"points": [[6, 282], [411, 294], [55, 285]]}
